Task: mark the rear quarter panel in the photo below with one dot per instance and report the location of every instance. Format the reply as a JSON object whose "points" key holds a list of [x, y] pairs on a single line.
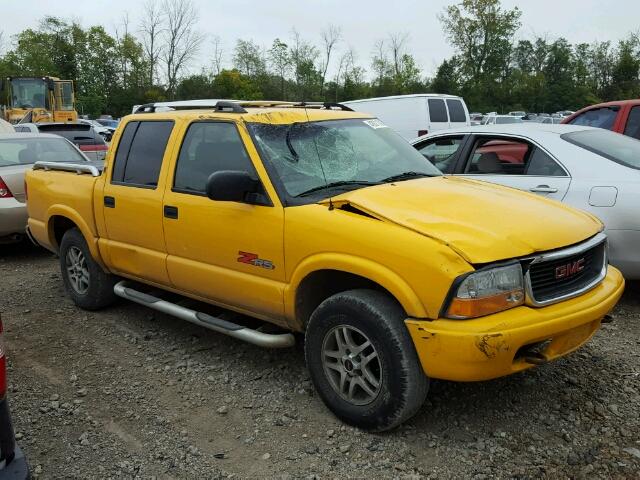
{"points": [[60, 193]]}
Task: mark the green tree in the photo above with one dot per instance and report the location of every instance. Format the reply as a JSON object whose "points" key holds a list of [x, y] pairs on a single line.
{"points": [[446, 79], [233, 84], [280, 62], [249, 59], [481, 32]]}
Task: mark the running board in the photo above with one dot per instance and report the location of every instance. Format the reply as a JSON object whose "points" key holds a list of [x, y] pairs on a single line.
{"points": [[267, 340]]}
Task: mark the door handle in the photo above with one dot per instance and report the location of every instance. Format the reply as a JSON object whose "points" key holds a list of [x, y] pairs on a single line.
{"points": [[170, 212], [543, 189], [109, 202]]}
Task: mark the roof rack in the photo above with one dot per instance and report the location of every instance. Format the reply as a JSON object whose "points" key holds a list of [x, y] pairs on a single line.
{"points": [[235, 106]]}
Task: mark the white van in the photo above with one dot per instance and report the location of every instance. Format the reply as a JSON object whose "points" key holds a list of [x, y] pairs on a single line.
{"points": [[415, 115]]}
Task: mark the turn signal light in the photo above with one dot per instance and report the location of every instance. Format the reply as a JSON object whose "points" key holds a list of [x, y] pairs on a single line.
{"points": [[479, 307]]}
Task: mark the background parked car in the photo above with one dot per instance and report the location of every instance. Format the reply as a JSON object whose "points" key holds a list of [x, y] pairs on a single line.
{"points": [[592, 169], [476, 118], [18, 153], [82, 135], [13, 464], [501, 119], [621, 116], [415, 115], [6, 127], [108, 122], [550, 120], [104, 132]]}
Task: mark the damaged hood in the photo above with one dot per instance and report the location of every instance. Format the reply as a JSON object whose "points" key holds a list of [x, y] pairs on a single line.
{"points": [[482, 222]]}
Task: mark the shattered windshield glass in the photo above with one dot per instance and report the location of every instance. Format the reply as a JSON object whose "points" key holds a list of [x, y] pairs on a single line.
{"points": [[342, 154]]}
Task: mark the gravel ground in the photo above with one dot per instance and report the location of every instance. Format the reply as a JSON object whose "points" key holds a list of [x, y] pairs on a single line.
{"points": [[127, 393]]}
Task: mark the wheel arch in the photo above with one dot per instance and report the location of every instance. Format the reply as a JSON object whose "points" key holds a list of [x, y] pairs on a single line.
{"points": [[61, 219], [318, 278]]}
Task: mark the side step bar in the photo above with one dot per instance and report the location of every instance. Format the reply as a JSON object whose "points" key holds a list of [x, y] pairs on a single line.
{"points": [[267, 340]]}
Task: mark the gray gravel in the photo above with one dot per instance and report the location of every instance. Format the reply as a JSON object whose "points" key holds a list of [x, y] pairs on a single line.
{"points": [[127, 393]]}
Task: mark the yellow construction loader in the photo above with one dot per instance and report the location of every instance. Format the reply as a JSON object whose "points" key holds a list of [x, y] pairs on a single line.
{"points": [[37, 99]]}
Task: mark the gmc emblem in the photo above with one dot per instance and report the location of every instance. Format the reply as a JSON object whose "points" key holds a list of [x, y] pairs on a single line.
{"points": [[564, 271]]}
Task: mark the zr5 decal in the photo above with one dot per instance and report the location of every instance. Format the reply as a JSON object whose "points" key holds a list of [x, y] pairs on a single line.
{"points": [[252, 259]]}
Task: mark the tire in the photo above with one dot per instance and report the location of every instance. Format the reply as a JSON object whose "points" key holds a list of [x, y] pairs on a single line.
{"points": [[89, 287], [365, 316]]}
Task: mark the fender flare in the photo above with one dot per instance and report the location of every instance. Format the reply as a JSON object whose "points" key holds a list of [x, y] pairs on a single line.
{"points": [[86, 230], [380, 274]]}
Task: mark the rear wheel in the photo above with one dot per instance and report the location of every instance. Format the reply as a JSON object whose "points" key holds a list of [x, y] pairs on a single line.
{"points": [[362, 360], [85, 282]]}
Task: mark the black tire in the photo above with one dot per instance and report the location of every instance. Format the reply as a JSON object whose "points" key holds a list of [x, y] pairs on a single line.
{"points": [[373, 316], [99, 285]]}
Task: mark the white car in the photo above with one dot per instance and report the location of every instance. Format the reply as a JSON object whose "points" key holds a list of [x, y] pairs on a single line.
{"points": [[592, 169], [501, 119], [104, 132], [417, 114]]}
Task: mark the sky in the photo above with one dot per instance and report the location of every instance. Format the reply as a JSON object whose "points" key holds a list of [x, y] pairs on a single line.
{"points": [[363, 22]]}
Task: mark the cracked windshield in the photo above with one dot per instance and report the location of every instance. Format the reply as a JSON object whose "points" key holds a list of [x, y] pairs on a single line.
{"points": [[342, 154]]}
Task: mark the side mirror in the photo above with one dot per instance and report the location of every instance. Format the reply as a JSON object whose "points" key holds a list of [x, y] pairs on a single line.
{"points": [[231, 186]]}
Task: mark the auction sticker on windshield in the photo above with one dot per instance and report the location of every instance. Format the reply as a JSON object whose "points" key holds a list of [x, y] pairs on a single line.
{"points": [[375, 123]]}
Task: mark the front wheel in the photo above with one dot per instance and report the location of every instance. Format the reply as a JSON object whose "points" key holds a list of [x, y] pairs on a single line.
{"points": [[362, 360], [84, 280]]}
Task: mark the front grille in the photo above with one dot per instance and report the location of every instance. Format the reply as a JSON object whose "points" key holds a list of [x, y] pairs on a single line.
{"points": [[559, 275]]}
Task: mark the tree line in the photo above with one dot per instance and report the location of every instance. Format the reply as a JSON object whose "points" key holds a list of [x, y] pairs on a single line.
{"points": [[152, 60]]}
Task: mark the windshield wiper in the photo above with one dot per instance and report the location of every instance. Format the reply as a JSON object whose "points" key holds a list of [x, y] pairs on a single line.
{"points": [[287, 139], [337, 184], [404, 176]]}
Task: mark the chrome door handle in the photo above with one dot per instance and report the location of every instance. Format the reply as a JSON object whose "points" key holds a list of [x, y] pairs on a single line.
{"points": [[543, 189]]}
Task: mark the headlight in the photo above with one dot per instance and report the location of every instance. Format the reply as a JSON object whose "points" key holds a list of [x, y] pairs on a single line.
{"points": [[487, 291]]}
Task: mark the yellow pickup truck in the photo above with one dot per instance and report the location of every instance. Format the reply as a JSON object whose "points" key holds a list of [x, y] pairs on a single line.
{"points": [[258, 219]]}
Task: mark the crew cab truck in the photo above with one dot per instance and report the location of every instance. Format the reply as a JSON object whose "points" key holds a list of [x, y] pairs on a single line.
{"points": [[321, 220]]}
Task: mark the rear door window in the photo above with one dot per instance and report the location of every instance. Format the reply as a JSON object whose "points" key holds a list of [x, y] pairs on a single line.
{"points": [[633, 123], [437, 110], [603, 117], [138, 161], [542, 165], [123, 151], [499, 156], [456, 111]]}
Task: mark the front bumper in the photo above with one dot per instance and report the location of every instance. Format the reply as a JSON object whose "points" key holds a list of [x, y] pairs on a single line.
{"points": [[490, 347], [13, 217], [17, 468]]}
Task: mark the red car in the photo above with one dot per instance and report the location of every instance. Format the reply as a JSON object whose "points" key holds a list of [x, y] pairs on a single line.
{"points": [[13, 465], [622, 116]]}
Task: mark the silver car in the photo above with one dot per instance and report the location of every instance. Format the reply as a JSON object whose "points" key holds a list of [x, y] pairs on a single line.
{"points": [[18, 152], [589, 168]]}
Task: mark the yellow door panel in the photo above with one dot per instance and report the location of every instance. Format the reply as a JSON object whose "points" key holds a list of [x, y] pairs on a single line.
{"points": [[132, 200], [226, 251]]}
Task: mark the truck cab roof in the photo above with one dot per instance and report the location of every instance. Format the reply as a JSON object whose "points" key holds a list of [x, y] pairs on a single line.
{"points": [[252, 112]]}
